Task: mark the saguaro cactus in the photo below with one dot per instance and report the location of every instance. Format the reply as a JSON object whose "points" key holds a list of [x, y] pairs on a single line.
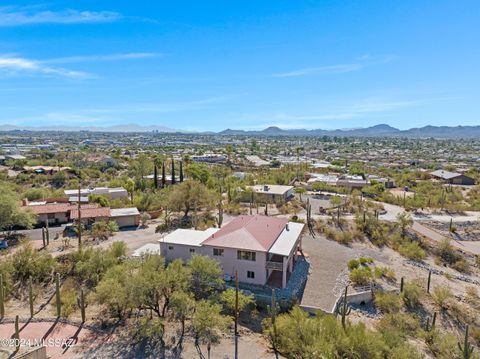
{"points": [[47, 233], [58, 300], [155, 176], [43, 237], [17, 334], [30, 296], [164, 180], [429, 280], [2, 298], [343, 308], [430, 326], [467, 348], [220, 214], [181, 171], [82, 305], [401, 284], [173, 172]]}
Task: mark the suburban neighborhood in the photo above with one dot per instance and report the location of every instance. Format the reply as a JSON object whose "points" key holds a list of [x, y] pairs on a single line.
{"points": [[239, 179]]}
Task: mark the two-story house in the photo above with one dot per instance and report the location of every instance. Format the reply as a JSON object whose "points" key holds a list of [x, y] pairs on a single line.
{"points": [[261, 249]]}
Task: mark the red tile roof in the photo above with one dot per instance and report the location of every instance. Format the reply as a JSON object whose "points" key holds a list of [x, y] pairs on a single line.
{"points": [[254, 233], [50, 208], [99, 212], [57, 208]]}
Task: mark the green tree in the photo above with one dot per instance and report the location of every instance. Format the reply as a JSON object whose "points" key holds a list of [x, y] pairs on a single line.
{"points": [[11, 214], [208, 324], [404, 221], [206, 275], [189, 195], [227, 297]]}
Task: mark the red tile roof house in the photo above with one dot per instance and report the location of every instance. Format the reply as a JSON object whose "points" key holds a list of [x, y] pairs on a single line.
{"points": [[263, 250], [60, 213], [54, 213]]}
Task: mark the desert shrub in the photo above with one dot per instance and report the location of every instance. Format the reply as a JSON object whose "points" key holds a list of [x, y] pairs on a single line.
{"points": [[28, 262], [353, 264], [412, 250], [446, 252], [475, 334], [330, 233], [299, 336], [358, 235], [384, 272], [344, 237], [395, 327], [442, 296], [388, 302], [472, 297], [365, 260], [411, 294], [361, 276], [442, 346], [461, 265], [68, 295]]}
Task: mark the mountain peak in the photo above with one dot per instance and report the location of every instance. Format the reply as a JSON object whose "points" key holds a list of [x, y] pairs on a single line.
{"points": [[273, 129]]}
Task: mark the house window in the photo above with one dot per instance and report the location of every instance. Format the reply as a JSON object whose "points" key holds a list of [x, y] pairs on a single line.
{"points": [[218, 252], [246, 256], [250, 274], [192, 250], [170, 248]]}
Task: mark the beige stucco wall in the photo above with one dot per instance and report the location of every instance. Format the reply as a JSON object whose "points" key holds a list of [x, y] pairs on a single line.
{"points": [[57, 218], [127, 221], [228, 262]]}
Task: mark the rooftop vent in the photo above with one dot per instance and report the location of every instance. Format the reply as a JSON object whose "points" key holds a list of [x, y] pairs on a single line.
{"points": [[266, 188]]}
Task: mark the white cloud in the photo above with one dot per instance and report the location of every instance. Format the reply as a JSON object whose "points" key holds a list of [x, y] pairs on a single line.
{"points": [[15, 16], [360, 63], [15, 65], [332, 69], [97, 58]]}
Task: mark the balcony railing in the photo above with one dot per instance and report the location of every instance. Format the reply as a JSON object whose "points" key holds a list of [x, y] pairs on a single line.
{"points": [[274, 265]]}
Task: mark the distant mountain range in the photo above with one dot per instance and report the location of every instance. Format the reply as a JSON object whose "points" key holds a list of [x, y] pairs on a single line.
{"points": [[381, 130], [374, 131], [130, 127]]}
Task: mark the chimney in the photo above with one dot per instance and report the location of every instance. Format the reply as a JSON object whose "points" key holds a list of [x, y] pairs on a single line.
{"points": [[265, 188], [286, 227]]}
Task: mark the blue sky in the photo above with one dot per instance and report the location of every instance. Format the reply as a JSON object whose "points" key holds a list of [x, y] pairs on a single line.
{"points": [[211, 65]]}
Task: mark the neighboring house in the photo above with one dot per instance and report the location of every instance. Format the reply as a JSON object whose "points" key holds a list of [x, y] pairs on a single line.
{"points": [[352, 182], [15, 157], [240, 175], [90, 215], [272, 193], [53, 212], [453, 178], [63, 212], [113, 193], [209, 158], [329, 179], [387, 182], [107, 161], [47, 170], [125, 217], [262, 250], [168, 179], [257, 161]]}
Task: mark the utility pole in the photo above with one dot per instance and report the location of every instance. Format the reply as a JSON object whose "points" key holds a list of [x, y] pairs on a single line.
{"points": [[236, 315], [79, 229]]}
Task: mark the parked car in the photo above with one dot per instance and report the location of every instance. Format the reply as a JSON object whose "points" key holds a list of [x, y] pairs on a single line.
{"points": [[3, 244]]}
